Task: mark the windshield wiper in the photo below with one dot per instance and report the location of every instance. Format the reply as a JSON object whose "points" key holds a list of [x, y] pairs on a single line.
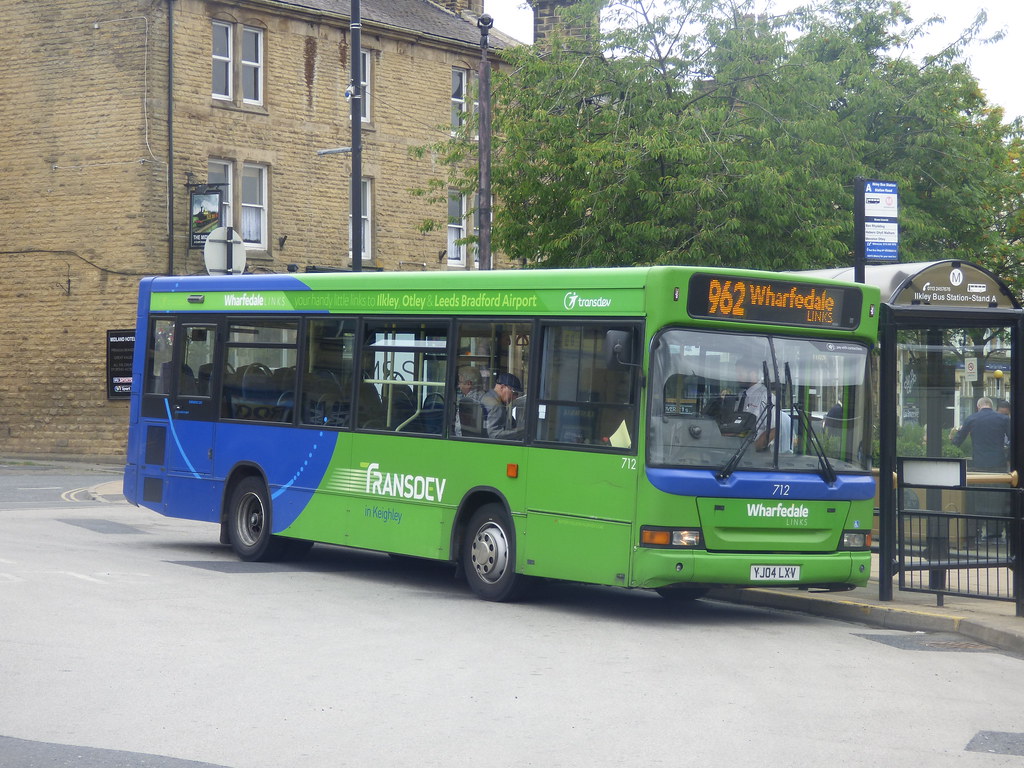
{"points": [[828, 472]]}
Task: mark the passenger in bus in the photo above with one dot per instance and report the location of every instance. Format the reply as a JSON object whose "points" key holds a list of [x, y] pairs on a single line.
{"points": [[470, 384], [497, 416], [471, 391]]}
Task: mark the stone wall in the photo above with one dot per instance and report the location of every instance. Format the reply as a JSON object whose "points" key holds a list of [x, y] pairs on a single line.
{"points": [[86, 187]]}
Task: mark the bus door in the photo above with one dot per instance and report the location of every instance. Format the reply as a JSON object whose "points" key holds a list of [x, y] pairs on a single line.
{"points": [[582, 479], [179, 399]]}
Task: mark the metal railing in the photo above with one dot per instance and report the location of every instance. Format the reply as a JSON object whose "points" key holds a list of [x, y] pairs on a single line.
{"points": [[967, 547]]}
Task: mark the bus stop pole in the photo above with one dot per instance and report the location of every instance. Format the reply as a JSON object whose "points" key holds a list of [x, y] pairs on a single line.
{"points": [[887, 454], [1015, 541]]}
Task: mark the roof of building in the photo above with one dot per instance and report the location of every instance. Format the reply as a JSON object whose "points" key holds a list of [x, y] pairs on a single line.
{"points": [[414, 15]]}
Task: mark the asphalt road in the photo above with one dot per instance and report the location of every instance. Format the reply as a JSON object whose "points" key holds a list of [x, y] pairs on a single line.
{"points": [[129, 639]]}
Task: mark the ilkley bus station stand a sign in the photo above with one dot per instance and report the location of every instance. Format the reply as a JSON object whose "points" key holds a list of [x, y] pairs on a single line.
{"points": [[932, 510]]}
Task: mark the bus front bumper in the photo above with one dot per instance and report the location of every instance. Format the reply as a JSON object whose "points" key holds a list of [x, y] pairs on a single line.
{"points": [[653, 568]]}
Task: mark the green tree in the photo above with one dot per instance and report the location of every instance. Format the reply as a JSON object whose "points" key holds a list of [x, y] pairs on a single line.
{"points": [[710, 134]]}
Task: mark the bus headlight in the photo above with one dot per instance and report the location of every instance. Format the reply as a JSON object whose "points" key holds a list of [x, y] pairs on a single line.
{"points": [[856, 540], [679, 538]]}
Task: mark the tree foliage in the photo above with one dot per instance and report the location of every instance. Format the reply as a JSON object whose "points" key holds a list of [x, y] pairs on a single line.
{"points": [[711, 134]]}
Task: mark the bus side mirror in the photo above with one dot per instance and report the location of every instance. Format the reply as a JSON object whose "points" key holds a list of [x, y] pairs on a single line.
{"points": [[618, 350]]}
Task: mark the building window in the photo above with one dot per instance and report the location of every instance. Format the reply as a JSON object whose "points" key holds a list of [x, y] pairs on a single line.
{"points": [[366, 192], [462, 107], [219, 172], [244, 66], [460, 81], [222, 39], [365, 62], [252, 202], [252, 65], [457, 222], [254, 205]]}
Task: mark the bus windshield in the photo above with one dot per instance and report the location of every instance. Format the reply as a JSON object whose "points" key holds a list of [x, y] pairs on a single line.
{"points": [[725, 401]]}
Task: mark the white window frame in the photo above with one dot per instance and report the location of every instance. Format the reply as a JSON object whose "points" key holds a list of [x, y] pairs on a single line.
{"points": [[366, 190], [221, 62], [257, 208], [460, 84], [226, 179], [457, 222], [365, 73], [252, 68]]}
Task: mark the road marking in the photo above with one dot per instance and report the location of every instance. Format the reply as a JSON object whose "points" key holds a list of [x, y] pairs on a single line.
{"points": [[73, 495], [81, 576]]}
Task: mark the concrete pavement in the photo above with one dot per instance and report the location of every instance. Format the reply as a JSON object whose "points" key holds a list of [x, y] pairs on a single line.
{"points": [[990, 622]]}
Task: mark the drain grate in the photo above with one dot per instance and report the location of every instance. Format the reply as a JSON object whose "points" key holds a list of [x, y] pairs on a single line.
{"points": [[925, 641], [957, 645]]}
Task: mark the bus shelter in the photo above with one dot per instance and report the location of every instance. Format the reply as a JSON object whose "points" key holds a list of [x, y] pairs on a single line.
{"points": [[949, 505]]}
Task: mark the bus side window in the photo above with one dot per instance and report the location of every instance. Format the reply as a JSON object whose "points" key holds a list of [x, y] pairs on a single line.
{"points": [[584, 400], [327, 379], [489, 349], [403, 376], [259, 370], [158, 358]]}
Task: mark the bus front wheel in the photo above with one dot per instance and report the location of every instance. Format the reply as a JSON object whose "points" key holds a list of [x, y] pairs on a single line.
{"points": [[489, 556], [249, 522]]}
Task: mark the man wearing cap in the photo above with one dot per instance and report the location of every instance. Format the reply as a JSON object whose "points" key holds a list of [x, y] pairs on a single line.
{"points": [[497, 421]]}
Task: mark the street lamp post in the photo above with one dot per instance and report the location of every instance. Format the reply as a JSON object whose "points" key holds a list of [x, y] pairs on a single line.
{"points": [[356, 204], [485, 23]]}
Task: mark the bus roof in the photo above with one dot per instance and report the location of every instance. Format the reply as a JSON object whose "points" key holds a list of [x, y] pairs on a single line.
{"points": [[607, 292]]}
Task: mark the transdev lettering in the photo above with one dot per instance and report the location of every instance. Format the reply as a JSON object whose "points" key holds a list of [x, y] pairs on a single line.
{"points": [[403, 486]]}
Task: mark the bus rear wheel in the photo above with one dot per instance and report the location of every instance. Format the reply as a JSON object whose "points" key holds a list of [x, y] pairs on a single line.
{"points": [[489, 556], [249, 523]]}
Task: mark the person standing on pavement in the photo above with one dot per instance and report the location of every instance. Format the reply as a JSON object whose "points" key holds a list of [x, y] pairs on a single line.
{"points": [[989, 432]]}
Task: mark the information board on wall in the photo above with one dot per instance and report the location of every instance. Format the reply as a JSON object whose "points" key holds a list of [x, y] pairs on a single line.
{"points": [[120, 350]]}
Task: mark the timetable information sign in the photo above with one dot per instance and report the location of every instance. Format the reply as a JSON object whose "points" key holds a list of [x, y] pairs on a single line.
{"points": [[880, 221]]}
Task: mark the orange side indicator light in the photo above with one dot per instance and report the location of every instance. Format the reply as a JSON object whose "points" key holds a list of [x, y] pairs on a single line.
{"points": [[512, 470], [656, 538]]}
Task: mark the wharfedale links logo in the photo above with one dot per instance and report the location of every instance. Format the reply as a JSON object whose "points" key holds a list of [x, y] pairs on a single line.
{"points": [[758, 509], [245, 300], [573, 301]]}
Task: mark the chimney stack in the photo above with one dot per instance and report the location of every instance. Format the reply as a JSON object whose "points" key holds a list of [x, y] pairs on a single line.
{"points": [[548, 20], [458, 6]]}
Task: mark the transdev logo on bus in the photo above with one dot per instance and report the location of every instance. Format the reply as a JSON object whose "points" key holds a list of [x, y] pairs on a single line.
{"points": [[573, 301]]}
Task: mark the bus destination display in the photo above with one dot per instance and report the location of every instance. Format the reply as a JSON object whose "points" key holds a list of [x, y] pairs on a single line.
{"points": [[779, 302]]}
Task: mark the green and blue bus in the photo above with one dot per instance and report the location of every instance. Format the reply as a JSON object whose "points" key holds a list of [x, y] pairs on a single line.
{"points": [[581, 425]]}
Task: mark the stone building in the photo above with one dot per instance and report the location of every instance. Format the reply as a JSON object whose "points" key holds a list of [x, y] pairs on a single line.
{"points": [[114, 111]]}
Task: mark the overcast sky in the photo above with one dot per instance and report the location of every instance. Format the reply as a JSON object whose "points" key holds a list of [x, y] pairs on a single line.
{"points": [[999, 67]]}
